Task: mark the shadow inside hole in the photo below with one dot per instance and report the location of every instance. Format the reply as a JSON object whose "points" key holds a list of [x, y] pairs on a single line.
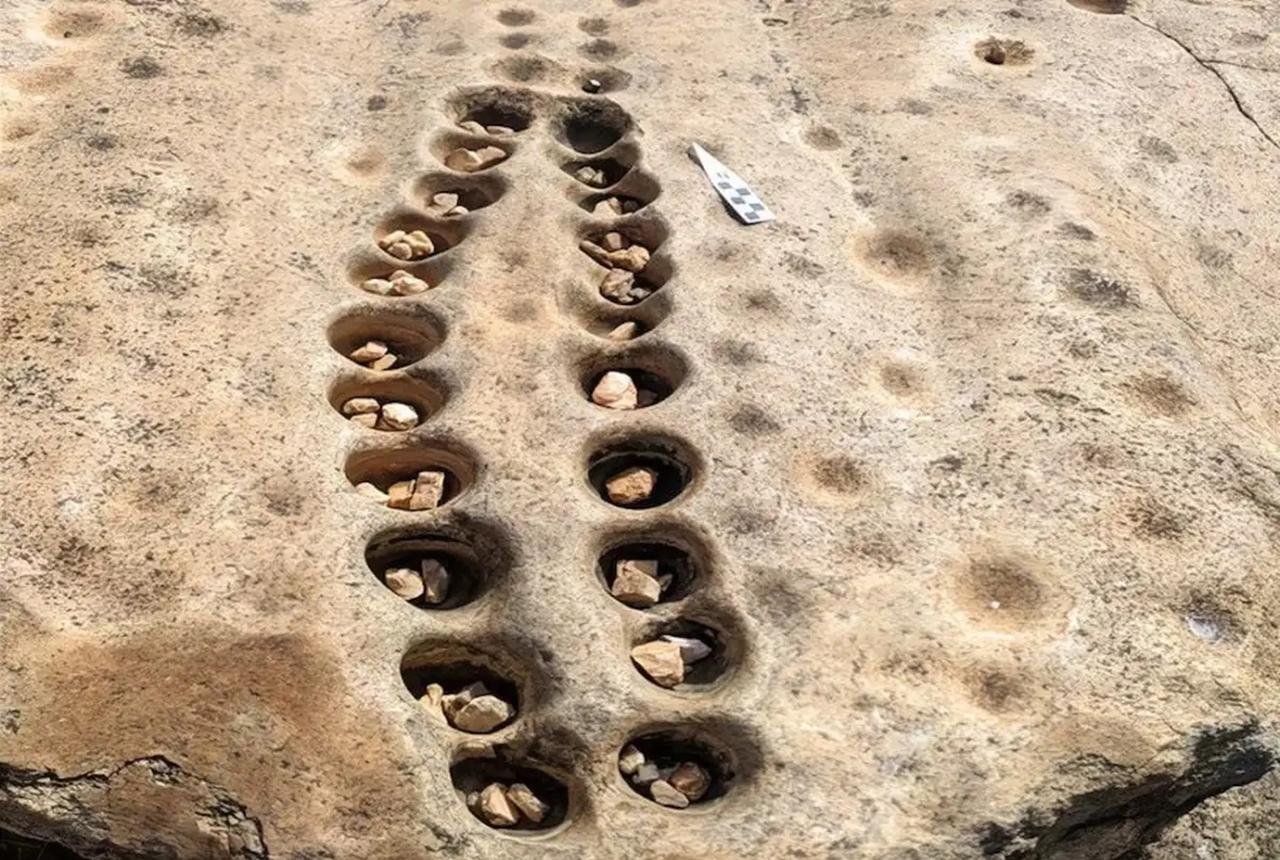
{"points": [[658, 387], [474, 192], [495, 106], [383, 467], [472, 775], [470, 573], [672, 561], [455, 675], [14, 846], [409, 338], [588, 126], [612, 168], [700, 673], [672, 474], [671, 747]]}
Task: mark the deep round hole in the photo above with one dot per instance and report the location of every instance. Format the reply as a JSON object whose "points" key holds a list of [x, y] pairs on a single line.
{"points": [[667, 749], [389, 469], [673, 562], [473, 558], [472, 776], [407, 338], [424, 397], [454, 668], [639, 474], [590, 126], [602, 317], [699, 673]]}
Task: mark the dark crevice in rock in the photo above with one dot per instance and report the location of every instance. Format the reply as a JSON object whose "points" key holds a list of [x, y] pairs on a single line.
{"points": [[1243, 111], [71, 814], [1115, 823]]}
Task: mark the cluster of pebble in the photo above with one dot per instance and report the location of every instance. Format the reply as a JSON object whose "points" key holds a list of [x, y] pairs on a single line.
{"points": [[398, 283], [429, 583], [380, 415], [472, 709], [502, 805], [374, 354], [422, 493], [671, 783], [623, 260]]}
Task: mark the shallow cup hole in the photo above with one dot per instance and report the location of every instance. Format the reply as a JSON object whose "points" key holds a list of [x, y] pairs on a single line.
{"points": [[691, 769], [472, 777], [500, 107], [639, 474], [419, 477], [603, 80], [389, 405], [472, 193], [367, 337]]}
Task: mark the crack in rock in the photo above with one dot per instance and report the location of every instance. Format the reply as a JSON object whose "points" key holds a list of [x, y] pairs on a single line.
{"points": [[1240, 108], [1112, 823], [104, 813]]}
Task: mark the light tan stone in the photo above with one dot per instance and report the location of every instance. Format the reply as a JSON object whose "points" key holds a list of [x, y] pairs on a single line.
{"points": [[482, 714], [529, 804], [625, 331], [661, 661], [399, 494], [470, 125], [631, 486], [370, 351], [613, 242], [636, 583], [592, 176], [385, 363], [630, 760], [615, 390], [428, 490], [631, 259], [365, 419], [496, 809], [499, 130], [666, 794], [404, 582], [371, 491], [360, 405], [397, 416]]}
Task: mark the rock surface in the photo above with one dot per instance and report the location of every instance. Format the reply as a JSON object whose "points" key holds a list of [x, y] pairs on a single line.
{"points": [[986, 423]]}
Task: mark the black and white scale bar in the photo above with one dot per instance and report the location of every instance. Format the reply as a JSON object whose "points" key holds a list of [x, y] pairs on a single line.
{"points": [[749, 208]]}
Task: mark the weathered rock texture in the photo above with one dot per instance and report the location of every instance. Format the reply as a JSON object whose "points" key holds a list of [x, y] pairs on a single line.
{"points": [[978, 442]]}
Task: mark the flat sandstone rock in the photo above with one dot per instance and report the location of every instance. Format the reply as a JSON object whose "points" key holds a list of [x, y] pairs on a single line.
{"points": [[980, 438]]}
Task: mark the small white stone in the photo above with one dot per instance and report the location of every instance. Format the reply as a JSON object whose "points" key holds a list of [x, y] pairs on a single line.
{"points": [[499, 130], [404, 582], [366, 419], [630, 760], [384, 363], [405, 284], [398, 416], [613, 242], [691, 650], [609, 207], [471, 126], [377, 286], [646, 773]]}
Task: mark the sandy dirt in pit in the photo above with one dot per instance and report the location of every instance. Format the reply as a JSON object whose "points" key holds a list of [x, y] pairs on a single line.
{"points": [[974, 449]]}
